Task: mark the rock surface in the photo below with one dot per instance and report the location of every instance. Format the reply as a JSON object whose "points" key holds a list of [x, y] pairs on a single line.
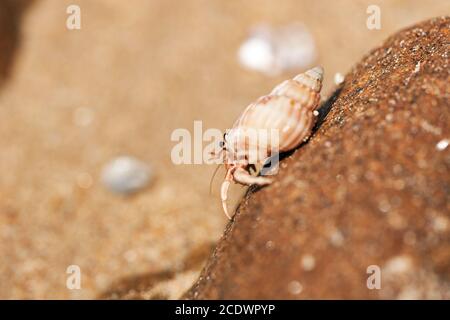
{"points": [[10, 16], [371, 187]]}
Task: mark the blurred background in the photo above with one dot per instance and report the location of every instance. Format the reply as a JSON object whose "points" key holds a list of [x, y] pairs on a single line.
{"points": [[72, 101]]}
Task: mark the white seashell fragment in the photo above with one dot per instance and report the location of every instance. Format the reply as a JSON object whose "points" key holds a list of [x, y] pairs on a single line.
{"points": [[126, 175], [308, 262], [257, 53], [398, 265], [275, 50], [338, 78], [417, 67], [443, 144]]}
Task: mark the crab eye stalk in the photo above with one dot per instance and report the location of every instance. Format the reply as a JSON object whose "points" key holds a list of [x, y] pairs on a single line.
{"points": [[291, 108]]}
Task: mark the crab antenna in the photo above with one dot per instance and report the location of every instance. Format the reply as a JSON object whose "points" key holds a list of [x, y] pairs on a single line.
{"points": [[212, 178]]}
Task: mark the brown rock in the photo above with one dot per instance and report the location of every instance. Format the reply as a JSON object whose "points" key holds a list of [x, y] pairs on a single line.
{"points": [[10, 16], [371, 187]]}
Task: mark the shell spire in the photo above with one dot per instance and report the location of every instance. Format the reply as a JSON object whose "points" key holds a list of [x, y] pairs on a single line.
{"points": [[289, 110], [312, 78]]}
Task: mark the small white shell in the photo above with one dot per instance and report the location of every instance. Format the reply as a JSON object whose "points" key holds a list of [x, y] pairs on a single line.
{"points": [[338, 78], [126, 175], [273, 50], [289, 108]]}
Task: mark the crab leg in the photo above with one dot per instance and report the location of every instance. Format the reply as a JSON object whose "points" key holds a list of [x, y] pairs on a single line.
{"points": [[243, 177], [224, 191]]}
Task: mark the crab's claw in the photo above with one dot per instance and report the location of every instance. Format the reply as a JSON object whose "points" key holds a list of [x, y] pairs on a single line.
{"points": [[224, 196], [241, 176]]}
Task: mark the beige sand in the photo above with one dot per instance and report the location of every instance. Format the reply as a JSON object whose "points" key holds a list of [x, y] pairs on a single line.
{"points": [[143, 69]]}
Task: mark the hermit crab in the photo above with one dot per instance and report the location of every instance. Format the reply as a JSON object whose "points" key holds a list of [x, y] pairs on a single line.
{"points": [[289, 110]]}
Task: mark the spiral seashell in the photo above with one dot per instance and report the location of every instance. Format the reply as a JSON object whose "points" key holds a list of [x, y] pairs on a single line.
{"points": [[289, 110]]}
